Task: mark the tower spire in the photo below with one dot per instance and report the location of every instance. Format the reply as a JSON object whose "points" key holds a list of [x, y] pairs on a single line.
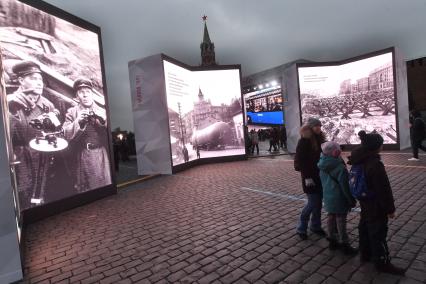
{"points": [[206, 37], [207, 47]]}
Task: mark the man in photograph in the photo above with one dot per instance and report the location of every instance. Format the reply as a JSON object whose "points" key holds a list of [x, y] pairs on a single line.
{"points": [[86, 130], [26, 104]]}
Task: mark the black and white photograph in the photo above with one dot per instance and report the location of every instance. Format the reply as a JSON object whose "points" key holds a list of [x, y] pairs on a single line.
{"points": [[56, 105], [205, 113], [351, 97]]}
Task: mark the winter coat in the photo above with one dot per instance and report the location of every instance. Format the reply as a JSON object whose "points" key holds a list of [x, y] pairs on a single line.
{"points": [[335, 184], [382, 204], [307, 157], [418, 130], [254, 138]]}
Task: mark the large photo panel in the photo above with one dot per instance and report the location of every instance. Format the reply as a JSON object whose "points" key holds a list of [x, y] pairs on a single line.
{"points": [[205, 113], [350, 97], [56, 104]]}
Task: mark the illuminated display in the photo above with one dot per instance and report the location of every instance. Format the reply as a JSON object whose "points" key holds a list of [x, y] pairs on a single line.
{"points": [[205, 113], [350, 97], [264, 106], [56, 105]]}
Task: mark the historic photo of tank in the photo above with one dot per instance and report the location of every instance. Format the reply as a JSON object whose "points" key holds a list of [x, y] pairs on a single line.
{"points": [[44, 60], [208, 123], [351, 97]]}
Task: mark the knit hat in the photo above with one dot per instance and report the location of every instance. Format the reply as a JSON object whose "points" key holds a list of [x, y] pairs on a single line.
{"points": [[313, 121], [331, 148], [371, 141]]}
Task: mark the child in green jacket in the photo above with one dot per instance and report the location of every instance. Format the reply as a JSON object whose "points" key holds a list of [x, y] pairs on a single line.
{"points": [[338, 200]]}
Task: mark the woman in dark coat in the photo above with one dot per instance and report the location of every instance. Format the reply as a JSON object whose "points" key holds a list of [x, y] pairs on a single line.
{"points": [[417, 127], [375, 210], [308, 153]]}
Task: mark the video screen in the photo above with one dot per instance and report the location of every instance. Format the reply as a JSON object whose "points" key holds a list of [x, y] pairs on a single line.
{"points": [[205, 113], [351, 97], [264, 107], [56, 105]]}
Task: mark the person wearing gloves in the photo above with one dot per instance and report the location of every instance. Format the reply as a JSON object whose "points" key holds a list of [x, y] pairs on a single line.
{"points": [[378, 208], [338, 199], [308, 152]]}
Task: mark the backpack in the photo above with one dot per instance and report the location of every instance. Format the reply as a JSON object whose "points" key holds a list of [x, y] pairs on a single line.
{"points": [[358, 183]]}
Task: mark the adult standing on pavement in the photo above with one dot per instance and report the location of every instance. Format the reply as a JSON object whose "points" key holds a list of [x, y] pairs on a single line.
{"points": [[254, 141], [417, 131], [308, 153], [85, 128]]}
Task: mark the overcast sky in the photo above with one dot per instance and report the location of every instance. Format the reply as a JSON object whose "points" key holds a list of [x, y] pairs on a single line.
{"points": [[256, 34]]}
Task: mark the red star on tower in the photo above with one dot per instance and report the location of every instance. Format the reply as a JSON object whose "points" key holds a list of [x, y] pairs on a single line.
{"points": [[204, 18]]}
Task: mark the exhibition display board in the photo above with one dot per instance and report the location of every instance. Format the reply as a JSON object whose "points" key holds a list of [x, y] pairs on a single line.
{"points": [[352, 95], [264, 106], [199, 110], [57, 108], [10, 225]]}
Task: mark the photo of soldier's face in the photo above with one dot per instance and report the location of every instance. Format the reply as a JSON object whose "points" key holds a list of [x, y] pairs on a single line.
{"points": [[32, 82], [85, 96], [44, 56]]}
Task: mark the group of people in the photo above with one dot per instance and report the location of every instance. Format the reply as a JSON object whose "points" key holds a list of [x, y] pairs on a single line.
{"points": [[325, 178], [277, 139], [85, 161]]}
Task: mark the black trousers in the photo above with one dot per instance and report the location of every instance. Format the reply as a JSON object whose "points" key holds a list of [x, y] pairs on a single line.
{"points": [[255, 146], [372, 240], [416, 145]]}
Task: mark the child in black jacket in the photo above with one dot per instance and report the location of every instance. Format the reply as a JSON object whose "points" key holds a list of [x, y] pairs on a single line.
{"points": [[375, 211]]}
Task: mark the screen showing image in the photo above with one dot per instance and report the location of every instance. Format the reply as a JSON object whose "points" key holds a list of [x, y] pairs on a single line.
{"points": [[205, 113], [351, 97], [264, 106], [56, 105]]}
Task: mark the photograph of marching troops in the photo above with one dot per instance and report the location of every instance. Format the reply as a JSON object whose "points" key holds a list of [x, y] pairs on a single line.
{"points": [[57, 110]]}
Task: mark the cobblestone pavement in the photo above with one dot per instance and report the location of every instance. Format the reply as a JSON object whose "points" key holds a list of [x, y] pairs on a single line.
{"points": [[220, 223]]}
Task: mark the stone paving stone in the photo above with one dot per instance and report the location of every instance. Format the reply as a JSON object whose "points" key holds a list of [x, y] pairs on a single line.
{"points": [[416, 274], [209, 278], [203, 224], [274, 276], [315, 278], [332, 280], [233, 276]]}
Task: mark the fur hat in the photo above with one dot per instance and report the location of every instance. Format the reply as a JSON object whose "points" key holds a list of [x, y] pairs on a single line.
{"points": [[371, 141]]}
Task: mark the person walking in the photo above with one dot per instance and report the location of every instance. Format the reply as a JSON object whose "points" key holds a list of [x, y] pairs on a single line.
{"points": [[338, 199], [417, 131], [377, 207], [308, 151]]}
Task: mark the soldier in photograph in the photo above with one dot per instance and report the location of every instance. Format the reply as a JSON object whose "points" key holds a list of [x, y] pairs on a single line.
{"points": [[86, 130], [26, 104]]}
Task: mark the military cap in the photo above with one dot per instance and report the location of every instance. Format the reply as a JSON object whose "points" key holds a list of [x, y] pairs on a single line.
{"points": [[82, 83], [25, 68]]}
